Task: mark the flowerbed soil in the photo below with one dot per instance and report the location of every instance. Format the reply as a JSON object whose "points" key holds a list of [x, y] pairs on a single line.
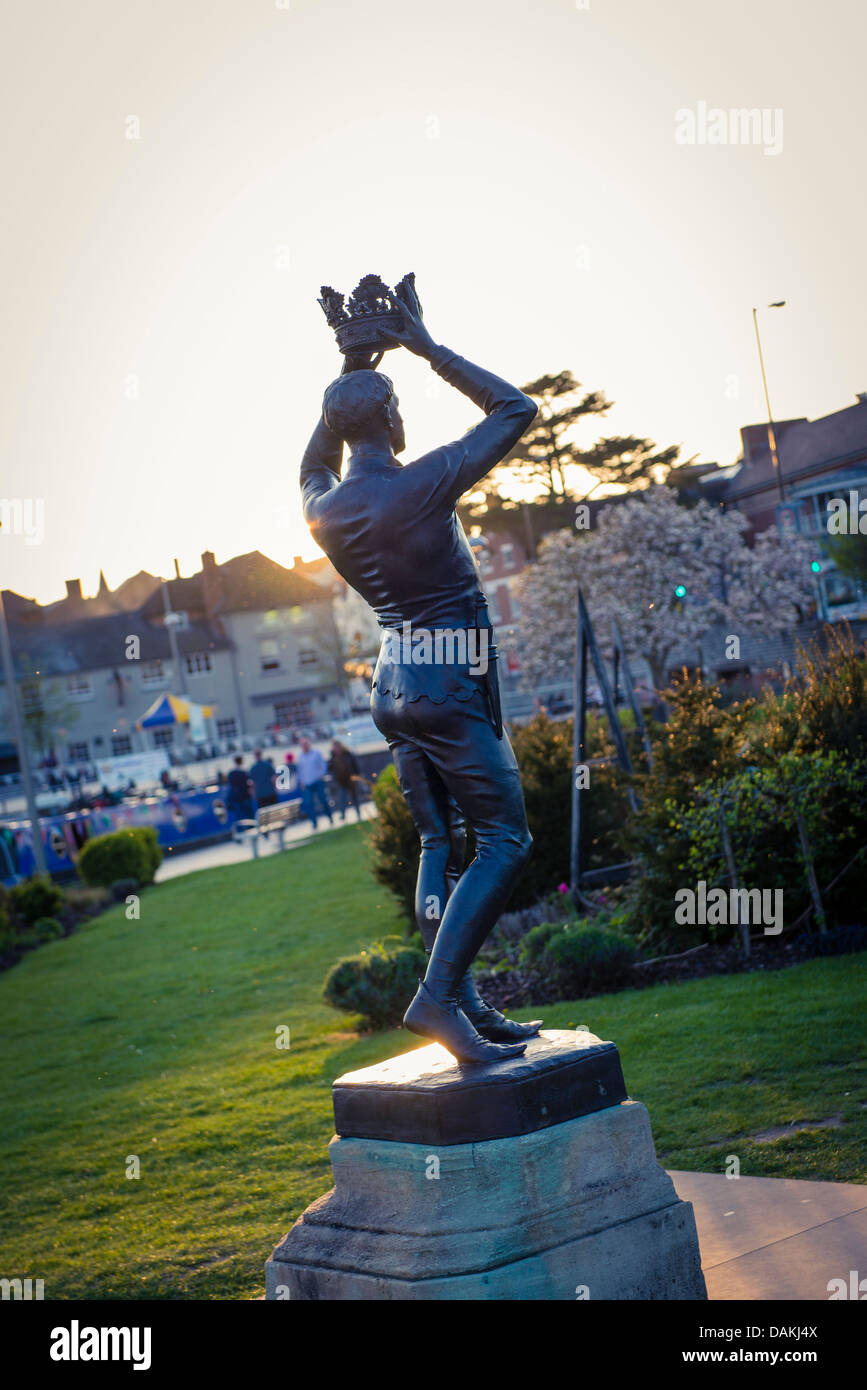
{"points": [[516, 988]]}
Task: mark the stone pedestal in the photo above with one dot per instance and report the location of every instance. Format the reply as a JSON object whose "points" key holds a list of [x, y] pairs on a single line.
{"points": [[531, 1179]]}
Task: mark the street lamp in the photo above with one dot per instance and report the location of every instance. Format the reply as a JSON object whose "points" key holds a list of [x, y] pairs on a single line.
{"points": [[772, 438]]}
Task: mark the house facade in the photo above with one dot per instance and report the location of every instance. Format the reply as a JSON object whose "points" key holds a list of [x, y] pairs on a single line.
{"points": [[254, 642], [822, 463]]}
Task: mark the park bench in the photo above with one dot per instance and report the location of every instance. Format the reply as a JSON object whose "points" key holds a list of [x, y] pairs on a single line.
{"points": [[269, 820]]}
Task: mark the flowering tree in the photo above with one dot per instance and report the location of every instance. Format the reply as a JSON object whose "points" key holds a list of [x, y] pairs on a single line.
{"points": [[665, 573]]}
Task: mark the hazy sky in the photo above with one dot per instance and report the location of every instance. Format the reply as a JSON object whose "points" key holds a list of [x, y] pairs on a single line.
{"points": [[164, 355]]}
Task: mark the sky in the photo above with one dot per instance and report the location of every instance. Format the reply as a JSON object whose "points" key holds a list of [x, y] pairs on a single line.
{"points": [[180, 178]]}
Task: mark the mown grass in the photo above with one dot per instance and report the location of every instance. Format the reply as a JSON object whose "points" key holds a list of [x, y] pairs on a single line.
{"points": [[157, 1039]]}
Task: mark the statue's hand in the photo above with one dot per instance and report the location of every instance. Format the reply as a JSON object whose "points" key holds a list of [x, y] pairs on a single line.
{"points": [[412, 333]]}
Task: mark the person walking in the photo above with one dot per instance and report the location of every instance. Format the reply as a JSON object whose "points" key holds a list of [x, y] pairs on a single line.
{"points": [[239, 796], [345, 772], [263, 775], [311, 781]]}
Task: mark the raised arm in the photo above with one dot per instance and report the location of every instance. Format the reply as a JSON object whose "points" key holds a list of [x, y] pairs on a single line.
{"points": [[508, 413], [508, 410], [320, 467]]}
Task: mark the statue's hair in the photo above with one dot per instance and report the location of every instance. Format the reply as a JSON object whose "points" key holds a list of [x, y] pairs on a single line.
{"points": [[354, 400]]}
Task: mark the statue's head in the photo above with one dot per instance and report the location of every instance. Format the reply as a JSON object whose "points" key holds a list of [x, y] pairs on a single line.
{"points": [[362, 407]]}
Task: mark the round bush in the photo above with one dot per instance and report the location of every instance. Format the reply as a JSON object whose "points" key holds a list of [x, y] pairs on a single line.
{"points": [[148, 836], [584, 959], [48, 928], [122, 854], [377, 983], [36, 897], [536, 940]]}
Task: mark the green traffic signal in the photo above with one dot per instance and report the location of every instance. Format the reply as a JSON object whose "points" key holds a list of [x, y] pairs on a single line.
{"points": [[680, 591], [816, 566]]}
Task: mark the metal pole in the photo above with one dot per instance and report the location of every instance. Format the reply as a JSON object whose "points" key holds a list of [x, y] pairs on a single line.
{"points": [[169, 624], [772, 438], [579, 745], [18, 736]]}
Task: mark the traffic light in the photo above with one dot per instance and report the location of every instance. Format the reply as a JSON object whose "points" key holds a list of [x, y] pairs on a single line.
{"points": [[816, 566], [680, 591]]}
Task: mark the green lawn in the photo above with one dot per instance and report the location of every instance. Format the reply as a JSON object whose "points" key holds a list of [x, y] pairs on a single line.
{"points": [[156, 1038]]}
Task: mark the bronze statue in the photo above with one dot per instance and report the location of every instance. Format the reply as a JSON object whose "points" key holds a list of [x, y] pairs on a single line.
{"points": [[393, 534]]}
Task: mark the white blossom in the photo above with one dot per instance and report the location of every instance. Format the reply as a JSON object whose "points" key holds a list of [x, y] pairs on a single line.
{"points": [[630, 566]]}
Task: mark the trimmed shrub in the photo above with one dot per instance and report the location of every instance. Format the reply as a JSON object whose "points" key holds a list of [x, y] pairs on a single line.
{"points": [[36, 897], [19, 935], [535, 943], [154, 854], [122, 854], [580, 959], [378, 983], [48, 928]]}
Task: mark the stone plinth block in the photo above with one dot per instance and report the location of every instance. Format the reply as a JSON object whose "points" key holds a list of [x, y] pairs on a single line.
{"points": [[553, 1192]]}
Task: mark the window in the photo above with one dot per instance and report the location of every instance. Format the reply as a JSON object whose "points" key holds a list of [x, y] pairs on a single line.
{"points": [[78, 753], [197, 663], [508, 556], [120, 744], [271, 618], [269, 654], [163, 738], [78, 686], [227, 728], [289, 713], [307, 656], [152, 673]]}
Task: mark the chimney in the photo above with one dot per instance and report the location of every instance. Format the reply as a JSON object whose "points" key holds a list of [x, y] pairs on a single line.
{"points": [[297, 562], [73, 590], [211, 583], [178, 574], [861, 397]]}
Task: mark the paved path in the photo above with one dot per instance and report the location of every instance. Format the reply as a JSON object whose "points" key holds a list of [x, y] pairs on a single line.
{"points": [[764, 1238], [228, 852]]}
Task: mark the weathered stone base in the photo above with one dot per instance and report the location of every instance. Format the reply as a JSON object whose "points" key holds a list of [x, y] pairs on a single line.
{"points": [[580, 1209]]}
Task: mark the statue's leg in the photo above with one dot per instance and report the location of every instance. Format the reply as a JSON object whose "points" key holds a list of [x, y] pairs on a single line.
{"points": [[481, 773], [441, 840], [487, 1020], [457, 846]]}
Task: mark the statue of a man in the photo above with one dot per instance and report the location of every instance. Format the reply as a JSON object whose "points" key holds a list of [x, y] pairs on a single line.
{"points": [[393, 534]]}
